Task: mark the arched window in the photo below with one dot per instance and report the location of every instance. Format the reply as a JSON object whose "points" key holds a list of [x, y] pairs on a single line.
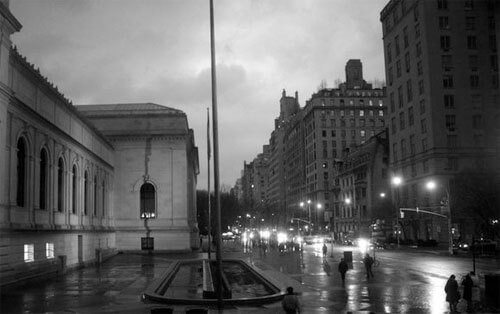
{"points": [[85, 192], [60, 185], [148, 201], [74, 187], [95, 195], [21, 171], [43, 184], [103, 199]]}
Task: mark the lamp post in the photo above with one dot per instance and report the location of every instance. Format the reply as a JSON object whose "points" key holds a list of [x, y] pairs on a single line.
{"points": [[431, 185], [396, 181]]}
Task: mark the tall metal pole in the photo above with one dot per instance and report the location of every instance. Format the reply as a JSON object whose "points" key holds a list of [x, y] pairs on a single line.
{"points": [[209, 229], [216, 158], [448, 205]]}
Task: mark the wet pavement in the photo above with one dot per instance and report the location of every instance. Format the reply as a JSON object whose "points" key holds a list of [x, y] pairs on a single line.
{"points": [[406, 281]]}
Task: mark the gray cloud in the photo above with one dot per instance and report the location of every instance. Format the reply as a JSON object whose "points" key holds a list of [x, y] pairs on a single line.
{"points": [[159, 51]]}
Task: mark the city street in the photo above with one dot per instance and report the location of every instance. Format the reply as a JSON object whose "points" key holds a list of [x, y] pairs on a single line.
{"points": [[406, 281]]}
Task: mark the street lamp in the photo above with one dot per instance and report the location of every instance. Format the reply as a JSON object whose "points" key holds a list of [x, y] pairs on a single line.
{"points": [[397, 181], [431, 185]]}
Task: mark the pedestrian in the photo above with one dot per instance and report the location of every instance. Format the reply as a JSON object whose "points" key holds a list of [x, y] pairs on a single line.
{"points": [[468, 283], [343, 269], [368, 260], [290, 302], [452, 294], [325, 249]]}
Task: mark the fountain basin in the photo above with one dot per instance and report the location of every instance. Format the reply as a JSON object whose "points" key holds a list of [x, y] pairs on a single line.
{"points": [[194, 282]]}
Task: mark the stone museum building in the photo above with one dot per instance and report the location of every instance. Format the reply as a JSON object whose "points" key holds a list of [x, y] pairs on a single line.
{"points": [[79, 183]]}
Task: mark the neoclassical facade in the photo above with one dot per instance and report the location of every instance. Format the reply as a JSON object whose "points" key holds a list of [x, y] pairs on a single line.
{"points": [[80, 182]]}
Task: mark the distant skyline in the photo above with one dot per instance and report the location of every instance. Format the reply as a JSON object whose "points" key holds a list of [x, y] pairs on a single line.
{"points": [[99, 52]]}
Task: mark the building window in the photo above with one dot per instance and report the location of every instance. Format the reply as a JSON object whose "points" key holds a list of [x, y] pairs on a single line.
{"points": [[420, 69], [446, 62], [405, 36], [418, 48], [103, 198], [442, 4], [49, 250], [423, 126], [396, 45], [393, 125], [491, 22], [398, 68], [474, 81], [60, 185], [477, 121], [494, 62], [450, 122], [468, 5], [473, 62], [417, 30], [401, 120], [29, 253], [43, 184], [494, 81], [389, 53], [451, 140], [425, 166], [470, 22], [444, 22], [403, 149], [390, 75], [400, 96], [395, 152], [412, 145], [424, 144], [409, 92], [449, 101], [411, 119], [421, 87], [445, 42], [21, 172], [493, 42], [422, 106], [86, 193], [148, 201], [391, 102], [95, 196], [407, 62], [74, 189], [448, 81], [471, 42], [381, 113]]}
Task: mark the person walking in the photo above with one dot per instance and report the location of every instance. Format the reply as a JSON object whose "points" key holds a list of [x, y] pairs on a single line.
{"points": [[468, 283], [452, 294], [290, 302], [325, 249], [368, 260], [343, 267]]}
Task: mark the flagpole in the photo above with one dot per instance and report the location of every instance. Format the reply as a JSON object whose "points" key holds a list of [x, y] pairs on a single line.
{"points": [[216, 159], [208, 167]]}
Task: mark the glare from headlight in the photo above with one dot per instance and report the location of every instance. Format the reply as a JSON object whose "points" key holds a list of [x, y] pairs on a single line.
{"points": [[363, 245], [282, 237]]}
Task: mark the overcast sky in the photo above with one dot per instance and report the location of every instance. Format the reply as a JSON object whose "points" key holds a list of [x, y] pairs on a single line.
{"points": [[159, 51]]}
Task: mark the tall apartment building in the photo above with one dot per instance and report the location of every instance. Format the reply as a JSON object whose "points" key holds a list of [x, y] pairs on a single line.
{"points": [[289, 107], [441, 62], [336, 119]]}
